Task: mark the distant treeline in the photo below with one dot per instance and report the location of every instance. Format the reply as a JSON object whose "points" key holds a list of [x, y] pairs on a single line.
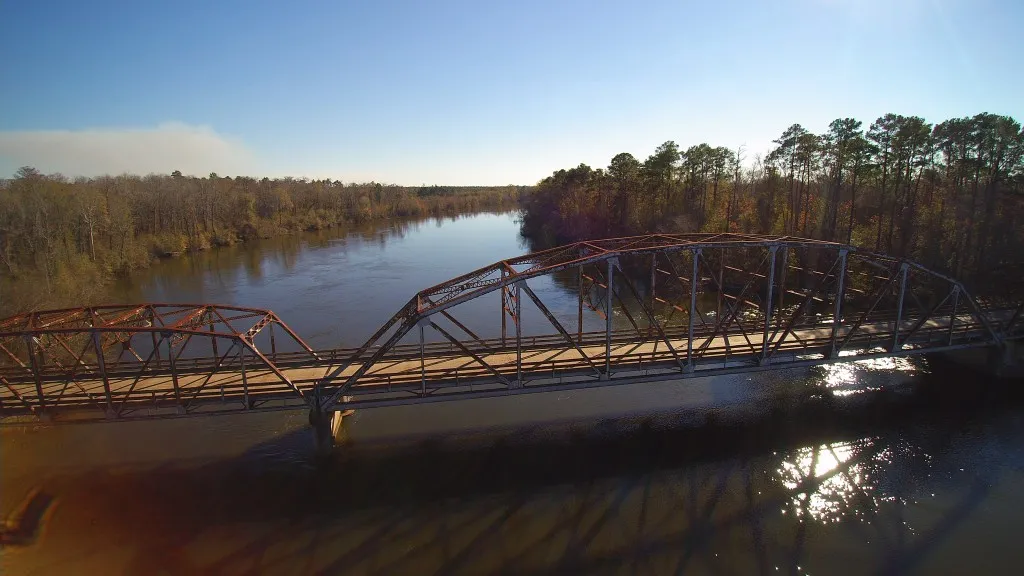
{"points": [[61, 238], [950, 195]]}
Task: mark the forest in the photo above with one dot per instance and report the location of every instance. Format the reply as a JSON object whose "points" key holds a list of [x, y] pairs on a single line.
{"points": [[61, 240], [948, 195]]}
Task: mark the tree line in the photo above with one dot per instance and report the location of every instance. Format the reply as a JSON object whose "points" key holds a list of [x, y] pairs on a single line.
{"points": [[949, 195], [61, 239]]}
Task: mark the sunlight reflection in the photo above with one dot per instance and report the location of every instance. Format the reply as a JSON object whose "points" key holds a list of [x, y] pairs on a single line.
{"points": [[832, 481], [848, 378]]}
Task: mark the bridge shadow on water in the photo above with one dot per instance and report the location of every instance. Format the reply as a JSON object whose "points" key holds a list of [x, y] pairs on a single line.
{"points": [[884, 485]]}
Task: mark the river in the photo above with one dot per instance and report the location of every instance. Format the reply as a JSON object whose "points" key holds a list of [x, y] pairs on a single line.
{"points": [[889, 466]]}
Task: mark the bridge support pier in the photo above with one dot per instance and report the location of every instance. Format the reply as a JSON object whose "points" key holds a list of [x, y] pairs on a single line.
{"points": [[327, 429]]}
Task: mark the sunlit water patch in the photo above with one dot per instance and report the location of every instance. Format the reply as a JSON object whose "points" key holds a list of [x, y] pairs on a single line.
{"points": [[845, 379]]}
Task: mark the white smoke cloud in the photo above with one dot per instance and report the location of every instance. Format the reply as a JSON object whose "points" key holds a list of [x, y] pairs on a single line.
{"points": [[194, 150]]}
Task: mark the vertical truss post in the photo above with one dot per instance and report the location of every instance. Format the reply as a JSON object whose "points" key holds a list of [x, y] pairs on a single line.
{"points": [[519, 336], [782, 282], [245, 379], [102, 364], [721, 285], [579, 304], [840, 296], [504, 304], [693, 309], [654, 292], [899, 309], [608, 321], [31, 345], [952, 315], [423, 360], [768, 301], [213, 339], [174, 371], [156, 345], [273, 344]]}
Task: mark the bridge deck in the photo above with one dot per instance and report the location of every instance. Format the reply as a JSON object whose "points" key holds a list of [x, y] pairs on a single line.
{"points": [[446, 372]]}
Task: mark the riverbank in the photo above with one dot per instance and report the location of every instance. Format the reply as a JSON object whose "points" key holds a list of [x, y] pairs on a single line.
{"points": [[64, 243]]}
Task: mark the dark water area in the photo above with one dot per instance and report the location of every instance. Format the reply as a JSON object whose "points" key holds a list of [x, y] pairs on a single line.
{"points": [[892, 466]]}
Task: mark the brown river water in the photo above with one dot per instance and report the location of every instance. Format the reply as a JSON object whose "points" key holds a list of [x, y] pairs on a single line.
{"points": [[898, 466]]}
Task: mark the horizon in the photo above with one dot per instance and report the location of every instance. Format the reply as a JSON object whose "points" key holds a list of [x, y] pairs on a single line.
{"points": [[466, 95]]}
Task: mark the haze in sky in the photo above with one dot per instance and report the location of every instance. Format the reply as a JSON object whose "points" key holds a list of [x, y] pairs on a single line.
{"points": [[473, 92]]}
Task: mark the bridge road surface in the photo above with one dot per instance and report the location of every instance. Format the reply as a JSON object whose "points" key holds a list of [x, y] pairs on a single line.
{"points": [[454, 375]]}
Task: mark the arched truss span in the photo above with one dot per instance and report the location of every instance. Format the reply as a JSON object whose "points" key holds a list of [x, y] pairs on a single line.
{"points": [[776, 300]]}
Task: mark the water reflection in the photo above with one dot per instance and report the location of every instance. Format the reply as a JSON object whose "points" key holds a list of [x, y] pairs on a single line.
{"points": [[707, 500], [829, 481], [337, 286]]}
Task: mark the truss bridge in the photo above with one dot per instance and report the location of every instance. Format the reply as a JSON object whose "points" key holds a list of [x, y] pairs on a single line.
{"points": [[669, 307]]}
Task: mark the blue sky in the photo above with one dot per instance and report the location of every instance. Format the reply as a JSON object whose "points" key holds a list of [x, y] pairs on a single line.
{"points": [[474, 92]]}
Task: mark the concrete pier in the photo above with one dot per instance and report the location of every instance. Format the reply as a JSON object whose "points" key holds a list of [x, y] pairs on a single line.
{"points": [[328, 430]]}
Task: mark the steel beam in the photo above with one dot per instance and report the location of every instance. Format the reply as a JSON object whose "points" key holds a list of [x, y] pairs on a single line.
{"points": [[782, 283], [245, 380], [768, 302], [693, 309], [34, 361], [102, 365], [608, 321], [899, 309], [579, 304], [653, 321], [952, 315], [423, 361], [654, 281], [174, 372], [471, 354], [554, 322], [504, 306], [840, 295], [519, 334], [625, 309]]}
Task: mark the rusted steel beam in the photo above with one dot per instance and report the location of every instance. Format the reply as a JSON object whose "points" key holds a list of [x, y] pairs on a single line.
{"points": [[925, 318], [690, 285], [653, 322], [797, 313], [472, 354], [216, 368], [730, 316], [558, 325], [138, 376], [819, 273], [622, 305], [878, 295]]}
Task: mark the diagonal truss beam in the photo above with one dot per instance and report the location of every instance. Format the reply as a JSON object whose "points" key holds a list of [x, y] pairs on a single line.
{"points": [[476, 357], [558, 325], [654, 321]]}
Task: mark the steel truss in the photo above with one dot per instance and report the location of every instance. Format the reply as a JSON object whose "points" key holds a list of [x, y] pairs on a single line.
{"points": [[777, 300], [130, 361], [694, 304]]}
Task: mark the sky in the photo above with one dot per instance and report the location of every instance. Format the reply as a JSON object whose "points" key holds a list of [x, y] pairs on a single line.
{"points": [[473, 93]]}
